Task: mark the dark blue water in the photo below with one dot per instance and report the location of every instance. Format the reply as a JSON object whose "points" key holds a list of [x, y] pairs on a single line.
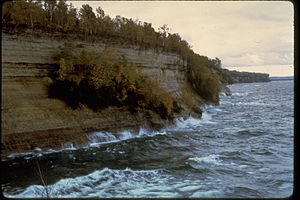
{"points": [[241, 148]]}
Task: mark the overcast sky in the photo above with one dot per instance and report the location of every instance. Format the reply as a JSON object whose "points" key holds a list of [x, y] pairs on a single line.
{"points": [[254, 36]]}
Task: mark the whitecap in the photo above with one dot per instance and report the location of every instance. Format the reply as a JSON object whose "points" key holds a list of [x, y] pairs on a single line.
{"points": [[264, 169], [211, 159], [240, 94], [206, 118], [32, 191], [102, 183], [285, 186], [68, 146], [253, 103], [32, 154], [143, 132], [16, 155], [161, 133], [222, 94], [243, 166], [226, 103], [50, 151], [95, 144], [190, 188], [190, 122], [95, 139], [125, 135], [207, 193], [101, 137]]}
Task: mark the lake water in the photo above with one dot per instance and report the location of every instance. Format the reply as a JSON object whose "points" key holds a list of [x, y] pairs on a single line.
{"points": [[242, 148]]}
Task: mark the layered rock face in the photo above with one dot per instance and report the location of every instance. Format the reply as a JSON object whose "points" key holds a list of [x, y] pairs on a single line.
{"points": [[28, 56], [31, 119]]}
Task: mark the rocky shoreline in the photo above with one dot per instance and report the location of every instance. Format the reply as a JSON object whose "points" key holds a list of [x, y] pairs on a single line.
{"points": [[31, 119]]}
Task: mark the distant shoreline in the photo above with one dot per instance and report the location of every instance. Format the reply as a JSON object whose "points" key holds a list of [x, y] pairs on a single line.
{"points": [[281, 78]]}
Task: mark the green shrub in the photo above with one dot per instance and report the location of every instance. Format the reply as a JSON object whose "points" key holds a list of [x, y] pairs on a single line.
{"points": [[100, 80], [151, 96], [202, 74], [205, 83]]}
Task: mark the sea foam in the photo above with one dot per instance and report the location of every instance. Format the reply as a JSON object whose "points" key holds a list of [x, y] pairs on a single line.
{"points": [[105, 183], [211, 159]]}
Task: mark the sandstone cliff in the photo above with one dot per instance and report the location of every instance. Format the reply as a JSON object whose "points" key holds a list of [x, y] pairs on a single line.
{"points": [[30, 119]]}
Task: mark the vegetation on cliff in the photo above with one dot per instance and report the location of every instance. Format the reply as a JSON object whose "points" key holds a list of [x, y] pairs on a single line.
{"points": [[86, 70], [100, 80], [203, 80]]}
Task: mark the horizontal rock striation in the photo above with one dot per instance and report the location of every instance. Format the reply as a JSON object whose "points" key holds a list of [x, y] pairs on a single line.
{"points": [[30, 119], [28, 56]]}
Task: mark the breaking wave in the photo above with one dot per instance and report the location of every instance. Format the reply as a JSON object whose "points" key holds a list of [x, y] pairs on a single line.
{"points": [[242, 148], [105, 183]]}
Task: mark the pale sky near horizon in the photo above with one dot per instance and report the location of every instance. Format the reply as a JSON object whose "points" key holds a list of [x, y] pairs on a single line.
{"points": [[247, 36]]}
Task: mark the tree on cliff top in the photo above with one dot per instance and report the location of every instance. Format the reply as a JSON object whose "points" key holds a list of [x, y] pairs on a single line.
{"points": [[87, 20]]}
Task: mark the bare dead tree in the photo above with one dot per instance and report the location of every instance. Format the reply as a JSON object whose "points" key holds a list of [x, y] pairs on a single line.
{"points": [[40, 174]]}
